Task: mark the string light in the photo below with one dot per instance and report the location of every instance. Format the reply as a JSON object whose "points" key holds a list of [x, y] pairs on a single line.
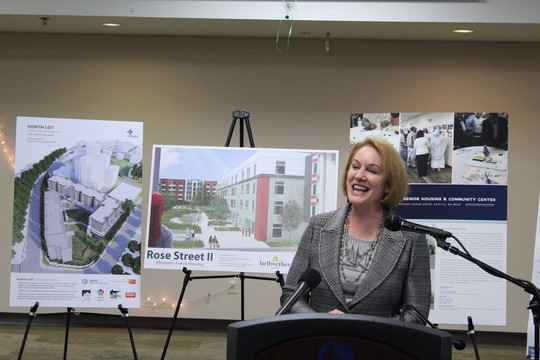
{"points": [[4, 146]]}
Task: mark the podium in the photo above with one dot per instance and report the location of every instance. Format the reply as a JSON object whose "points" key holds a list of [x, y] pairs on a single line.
{"points": [[329, 336]]}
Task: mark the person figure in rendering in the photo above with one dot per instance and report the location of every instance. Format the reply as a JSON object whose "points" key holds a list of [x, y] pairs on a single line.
{"points": [[365, 268], [158, 235]]}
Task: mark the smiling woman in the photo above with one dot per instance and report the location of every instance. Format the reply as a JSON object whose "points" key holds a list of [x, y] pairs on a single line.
{"points": [[367, 269]]}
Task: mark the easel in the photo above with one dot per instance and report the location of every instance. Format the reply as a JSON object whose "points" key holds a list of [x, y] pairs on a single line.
{"points": [[70, 312], [243, 116]]}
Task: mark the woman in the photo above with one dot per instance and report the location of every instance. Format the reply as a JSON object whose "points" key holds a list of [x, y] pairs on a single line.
{"points": [[158, 235], [365, 268], [421, 149]]}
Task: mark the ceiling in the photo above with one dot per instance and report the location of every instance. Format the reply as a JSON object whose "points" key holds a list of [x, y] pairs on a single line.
{"points": [[492, 20]]}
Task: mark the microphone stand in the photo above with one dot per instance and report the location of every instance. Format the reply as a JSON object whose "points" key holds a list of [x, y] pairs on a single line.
{"points": [[527, 286], [458, 344], [473, 337]]}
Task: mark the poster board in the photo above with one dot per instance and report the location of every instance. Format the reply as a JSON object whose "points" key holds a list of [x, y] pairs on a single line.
{"points": [[235, 209], [458, 184], [77, 213]]}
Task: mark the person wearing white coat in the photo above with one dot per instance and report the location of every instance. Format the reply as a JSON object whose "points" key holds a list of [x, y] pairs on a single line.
{"points": [[439, 143]]}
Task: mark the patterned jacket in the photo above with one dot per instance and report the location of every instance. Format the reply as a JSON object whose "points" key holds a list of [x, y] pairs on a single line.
{"points": [[399, 274]]}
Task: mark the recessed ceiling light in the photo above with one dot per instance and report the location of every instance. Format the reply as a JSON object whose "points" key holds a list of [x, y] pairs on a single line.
{"points": [[463, 31], [111, 24]]}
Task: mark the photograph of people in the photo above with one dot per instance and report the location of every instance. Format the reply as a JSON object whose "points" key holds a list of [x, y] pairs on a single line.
{"points": [[427, 143], [375, 125], [481, 158], [365, 268], [158, 234]]}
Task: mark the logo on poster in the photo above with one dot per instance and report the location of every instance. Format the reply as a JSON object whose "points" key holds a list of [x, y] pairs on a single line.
{"points": [[115, 294], [130, 294], [275, 262], [130, 134]]}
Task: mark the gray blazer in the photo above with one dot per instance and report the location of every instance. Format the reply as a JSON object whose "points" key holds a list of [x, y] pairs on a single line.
{"points": [[399, 274]]}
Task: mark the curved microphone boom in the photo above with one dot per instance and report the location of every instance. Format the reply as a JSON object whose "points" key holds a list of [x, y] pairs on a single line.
{"points": [[395, 222], [308, 281]]}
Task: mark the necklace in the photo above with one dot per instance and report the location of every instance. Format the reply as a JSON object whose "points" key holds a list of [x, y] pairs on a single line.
{"points": [[349, 253]]}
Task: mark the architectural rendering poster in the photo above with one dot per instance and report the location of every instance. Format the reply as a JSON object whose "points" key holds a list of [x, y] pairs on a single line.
{"points": [[458, 168], [234, 209], [77, 213]]}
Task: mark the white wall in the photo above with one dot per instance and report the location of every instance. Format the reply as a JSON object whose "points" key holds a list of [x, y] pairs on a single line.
{"points": [[185, 89]]}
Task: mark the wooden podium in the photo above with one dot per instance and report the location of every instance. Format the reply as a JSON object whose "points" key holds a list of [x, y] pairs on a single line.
{"points": [[334, 336]]}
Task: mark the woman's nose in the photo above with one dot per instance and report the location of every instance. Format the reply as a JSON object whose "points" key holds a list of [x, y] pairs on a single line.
{"points": [[360, 174]]}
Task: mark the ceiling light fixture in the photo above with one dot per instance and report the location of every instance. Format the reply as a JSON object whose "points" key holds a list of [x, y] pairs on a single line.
{"points": [[463, 31], [111, 24]]}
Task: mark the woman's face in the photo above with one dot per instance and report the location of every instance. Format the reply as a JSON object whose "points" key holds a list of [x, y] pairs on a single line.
{"points": [[366, 184]]}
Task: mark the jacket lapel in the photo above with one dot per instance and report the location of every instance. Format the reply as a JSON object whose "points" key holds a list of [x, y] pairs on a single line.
{"points": [[386, 258], [329, 252]]}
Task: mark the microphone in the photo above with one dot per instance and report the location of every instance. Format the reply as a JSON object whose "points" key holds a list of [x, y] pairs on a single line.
{"points": [[457, 343], [307, 282], [395, 222]]}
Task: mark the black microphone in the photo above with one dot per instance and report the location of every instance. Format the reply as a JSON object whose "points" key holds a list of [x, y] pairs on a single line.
{"points": [[395, 222], [307, 282]]}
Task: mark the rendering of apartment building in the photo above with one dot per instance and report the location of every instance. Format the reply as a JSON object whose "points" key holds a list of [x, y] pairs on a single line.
{"points": [[259, 189], [93, 176], [184, 190]]}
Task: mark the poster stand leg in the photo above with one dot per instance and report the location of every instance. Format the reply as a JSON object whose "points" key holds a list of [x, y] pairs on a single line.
{"points": [[31, 316], [70, 311], [188, 278], [242, 291], [125, 315]]}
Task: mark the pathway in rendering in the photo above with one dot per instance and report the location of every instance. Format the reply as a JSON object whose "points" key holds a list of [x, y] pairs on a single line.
{"points": [[227, 239]]}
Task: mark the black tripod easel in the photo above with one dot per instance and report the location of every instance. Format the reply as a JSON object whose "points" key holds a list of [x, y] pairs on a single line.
{"points": [[188, 278], [70, 312], [243, 116], [527, 286], [32, 314]]}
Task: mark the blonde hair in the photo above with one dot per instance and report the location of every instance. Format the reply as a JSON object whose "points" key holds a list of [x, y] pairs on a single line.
{"points": [[392, 166]]}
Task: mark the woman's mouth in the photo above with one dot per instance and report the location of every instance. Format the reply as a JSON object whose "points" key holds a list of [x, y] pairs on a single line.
{"points": [[359, 188]]}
